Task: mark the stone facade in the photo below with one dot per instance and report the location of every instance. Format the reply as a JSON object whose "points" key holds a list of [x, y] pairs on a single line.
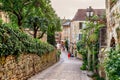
{"points": [[78, 23], [66, 30], [113, 24], [76, 30], [76, 35], [102, 47], [112, 12], [25, 65]]}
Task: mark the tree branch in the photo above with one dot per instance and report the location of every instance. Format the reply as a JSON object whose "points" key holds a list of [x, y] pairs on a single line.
{"points": [[41, 35]]}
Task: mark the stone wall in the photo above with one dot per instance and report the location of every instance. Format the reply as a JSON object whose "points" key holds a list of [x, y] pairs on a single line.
{"points": [[79, 56], [101, 68], [25, 65]]}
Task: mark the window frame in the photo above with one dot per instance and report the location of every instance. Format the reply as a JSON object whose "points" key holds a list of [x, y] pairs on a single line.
{"points": [[80, 25]]}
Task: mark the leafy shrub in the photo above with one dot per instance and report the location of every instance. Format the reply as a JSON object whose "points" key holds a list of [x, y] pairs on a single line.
{"points": [[58, 53], [112, 65], [83, 51], [13, 41], [97, 77], [81, 48], [84, 66], [66, 45]]}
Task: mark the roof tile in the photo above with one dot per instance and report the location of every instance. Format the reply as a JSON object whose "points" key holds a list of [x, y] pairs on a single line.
{"points": [[81, 14]]}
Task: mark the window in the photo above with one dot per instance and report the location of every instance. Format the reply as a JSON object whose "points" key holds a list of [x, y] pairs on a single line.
{"points": [[80, 25], [56, 34], [80, 36], [83, 26]]}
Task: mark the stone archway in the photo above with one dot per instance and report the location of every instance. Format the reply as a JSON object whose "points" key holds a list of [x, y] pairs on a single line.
{"points": [[112, 42]]}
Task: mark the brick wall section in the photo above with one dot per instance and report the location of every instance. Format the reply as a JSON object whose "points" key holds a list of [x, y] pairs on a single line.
{"points": [[25, 65]]}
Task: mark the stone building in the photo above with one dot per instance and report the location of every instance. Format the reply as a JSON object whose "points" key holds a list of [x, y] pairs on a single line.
{"points": [[78, 24], [66, 31], [113, 31], [113, 22]]}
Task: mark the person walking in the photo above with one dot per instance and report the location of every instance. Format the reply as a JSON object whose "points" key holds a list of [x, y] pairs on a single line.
{"points": [[68, 55]]}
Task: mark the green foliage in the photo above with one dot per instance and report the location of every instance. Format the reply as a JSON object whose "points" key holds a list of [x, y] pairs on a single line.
{"points": [[51, 38], [83, 51], [58, 53], [13, 42], [1, 21], [93, 37], [84, 66], [80, 45], [18, 9], [112, 65], [94, 18], [66, 45], [89, 45], [97, 77], [22, 9], [53, 27], [37, 14], [112, 1], [36, 24]]}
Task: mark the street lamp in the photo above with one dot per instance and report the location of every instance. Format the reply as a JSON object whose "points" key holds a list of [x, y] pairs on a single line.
{"points": [[89, 12]]}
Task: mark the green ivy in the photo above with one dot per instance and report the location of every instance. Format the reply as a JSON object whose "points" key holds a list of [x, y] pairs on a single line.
{"points": [[112, 65], [83, 51], [13, 41]]}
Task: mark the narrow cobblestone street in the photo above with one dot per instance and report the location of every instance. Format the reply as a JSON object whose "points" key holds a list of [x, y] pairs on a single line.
{"points": [[65, 69]]}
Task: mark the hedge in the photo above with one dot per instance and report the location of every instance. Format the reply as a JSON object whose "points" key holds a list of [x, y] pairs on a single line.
{"points": [[13, 41]]}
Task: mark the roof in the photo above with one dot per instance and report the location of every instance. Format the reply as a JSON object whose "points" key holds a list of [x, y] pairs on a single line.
{"points": [[81, 14], [66, 23]]}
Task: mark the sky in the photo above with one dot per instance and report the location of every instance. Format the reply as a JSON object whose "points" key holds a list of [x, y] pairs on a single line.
{"points": [[68, 8]]}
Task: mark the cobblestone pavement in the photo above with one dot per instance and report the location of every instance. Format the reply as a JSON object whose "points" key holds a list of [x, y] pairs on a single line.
{"points": [[65, 69]]}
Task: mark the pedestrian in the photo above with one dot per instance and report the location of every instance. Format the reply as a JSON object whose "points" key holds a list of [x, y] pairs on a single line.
{"points": [[68, 55]]}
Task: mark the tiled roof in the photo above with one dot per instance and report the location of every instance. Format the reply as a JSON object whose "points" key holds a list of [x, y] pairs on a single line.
{"points": [[81, 14], [66, 23]]}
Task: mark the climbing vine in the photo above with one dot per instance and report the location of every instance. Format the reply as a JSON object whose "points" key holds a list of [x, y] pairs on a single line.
{"points": [[112, 65], [89, 45]]}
